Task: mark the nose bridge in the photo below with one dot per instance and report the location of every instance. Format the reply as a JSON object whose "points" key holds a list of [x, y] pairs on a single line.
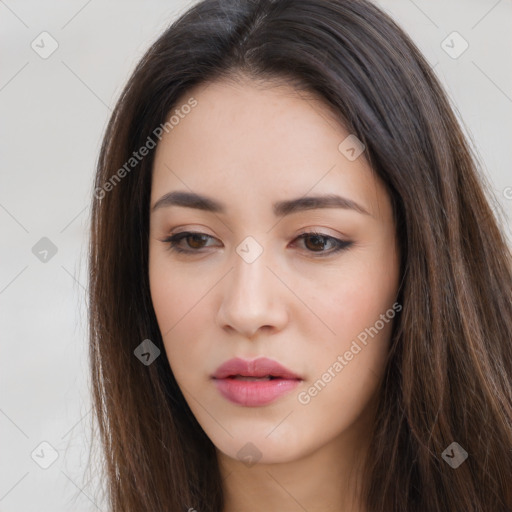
{"points": [[250, 299], [249, 276]]}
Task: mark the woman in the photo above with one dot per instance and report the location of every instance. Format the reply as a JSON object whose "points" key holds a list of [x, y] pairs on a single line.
{"points": [[299, 296]]}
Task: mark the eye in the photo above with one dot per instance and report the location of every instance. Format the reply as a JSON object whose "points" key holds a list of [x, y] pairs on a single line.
{"points": [[195, 241], [318, 242], [314, 242]]}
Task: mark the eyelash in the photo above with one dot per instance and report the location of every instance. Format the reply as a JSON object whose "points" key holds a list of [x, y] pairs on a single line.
{"points": [[173, 240]]}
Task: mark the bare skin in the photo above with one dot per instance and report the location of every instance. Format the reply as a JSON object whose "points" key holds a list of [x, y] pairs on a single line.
{"points": [[298, 302]]}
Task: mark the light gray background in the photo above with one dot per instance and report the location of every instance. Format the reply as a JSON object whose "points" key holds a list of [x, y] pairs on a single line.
{"points": [[53, 112]]}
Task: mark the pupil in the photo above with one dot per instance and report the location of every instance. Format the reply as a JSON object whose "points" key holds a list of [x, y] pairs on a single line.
{"points": [[318, 239], [196, 238]]}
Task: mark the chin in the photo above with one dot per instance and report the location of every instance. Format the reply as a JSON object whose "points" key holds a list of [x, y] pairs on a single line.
{"points": [[260, 448]]}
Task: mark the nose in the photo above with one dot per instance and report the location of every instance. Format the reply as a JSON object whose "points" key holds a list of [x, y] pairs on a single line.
{"points": [[253, 298]]}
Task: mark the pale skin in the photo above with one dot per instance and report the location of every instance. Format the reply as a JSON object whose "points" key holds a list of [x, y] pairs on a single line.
{"points": [[247, 147]]}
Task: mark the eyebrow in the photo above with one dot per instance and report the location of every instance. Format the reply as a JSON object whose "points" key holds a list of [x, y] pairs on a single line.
{"points": [[280, 208]]}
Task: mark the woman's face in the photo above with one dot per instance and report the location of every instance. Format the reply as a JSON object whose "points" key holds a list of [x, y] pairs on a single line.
{"points": [[251, 285]]}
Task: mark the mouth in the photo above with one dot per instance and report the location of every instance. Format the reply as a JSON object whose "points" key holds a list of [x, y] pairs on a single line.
{"points": [[252, 379], [254, 383], [262, 367]]}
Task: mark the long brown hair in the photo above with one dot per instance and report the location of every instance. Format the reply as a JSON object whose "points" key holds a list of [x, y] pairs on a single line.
{"points": [[449, 372]]}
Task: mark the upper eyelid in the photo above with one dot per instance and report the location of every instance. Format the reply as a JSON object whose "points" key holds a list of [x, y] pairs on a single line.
{"points": [[313, 230], [310, 231]]}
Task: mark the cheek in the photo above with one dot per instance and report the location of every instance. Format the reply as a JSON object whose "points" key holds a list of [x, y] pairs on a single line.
{"points": [[356, 297], [164, 286], [180, 308], [356, 353], [346, 369], [174, 292], [168, 295], [358, 307]]}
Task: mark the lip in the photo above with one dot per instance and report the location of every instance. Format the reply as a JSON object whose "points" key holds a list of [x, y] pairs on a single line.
{"points": [[254, 393]]}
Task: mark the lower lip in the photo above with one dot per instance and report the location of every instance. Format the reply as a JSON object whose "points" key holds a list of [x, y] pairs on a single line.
{"points": [[254, 393]]}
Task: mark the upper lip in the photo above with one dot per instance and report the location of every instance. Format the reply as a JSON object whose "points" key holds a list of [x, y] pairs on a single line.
{"points": [[261, 367]]}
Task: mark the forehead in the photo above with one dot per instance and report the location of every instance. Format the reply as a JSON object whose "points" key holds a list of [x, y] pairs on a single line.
{"points": [[252, 121], [256, 140]]}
